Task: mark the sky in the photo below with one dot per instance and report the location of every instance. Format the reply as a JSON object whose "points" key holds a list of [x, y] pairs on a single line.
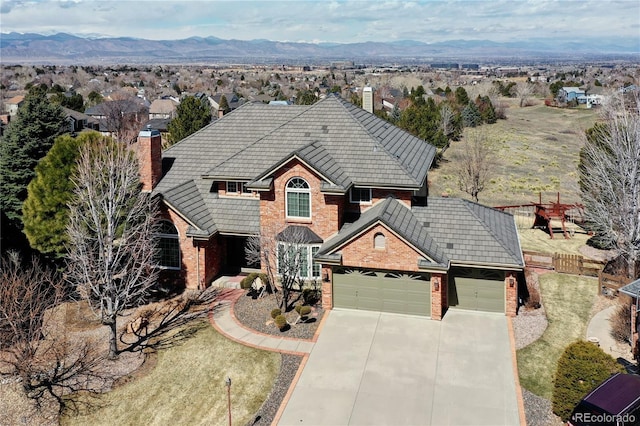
{"points": [[340, 21]]}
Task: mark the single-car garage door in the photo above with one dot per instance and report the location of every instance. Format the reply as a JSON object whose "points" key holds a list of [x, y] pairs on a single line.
{"points": [[382, 291], [477, 289]]}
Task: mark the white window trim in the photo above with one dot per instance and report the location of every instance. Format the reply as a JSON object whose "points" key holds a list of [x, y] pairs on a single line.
{"points": [[297, 190], [384, 241], [310, 261], [175, 236], [352, 201], [241, 189], [227, 187]]}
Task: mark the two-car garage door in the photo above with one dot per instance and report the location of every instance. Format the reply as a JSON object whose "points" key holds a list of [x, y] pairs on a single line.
{"points": [[382, 291], [477, 289]]}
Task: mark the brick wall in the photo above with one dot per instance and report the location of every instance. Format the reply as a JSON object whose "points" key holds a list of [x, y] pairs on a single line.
{"points": [[149, 152], [511, 285], [396, 255], [635, 347], [438, 296], [325, 209], [200, 260]]}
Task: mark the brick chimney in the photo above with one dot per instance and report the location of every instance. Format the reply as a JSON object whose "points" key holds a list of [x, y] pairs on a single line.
{"points": [[149, 158]]}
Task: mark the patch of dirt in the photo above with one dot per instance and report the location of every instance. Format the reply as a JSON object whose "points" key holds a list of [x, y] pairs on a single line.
{"points": [[597, 254]]}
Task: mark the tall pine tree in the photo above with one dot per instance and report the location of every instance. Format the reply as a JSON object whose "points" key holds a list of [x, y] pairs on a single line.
{"points": [[45, 211], [27, 139], [191, 115]]}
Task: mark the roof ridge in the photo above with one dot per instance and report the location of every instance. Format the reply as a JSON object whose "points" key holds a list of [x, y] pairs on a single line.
{"points": [[256, 141], [394, 158], [468, 205]]}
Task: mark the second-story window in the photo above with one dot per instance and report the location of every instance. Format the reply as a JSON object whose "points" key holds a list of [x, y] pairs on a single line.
{"points": [[232, 187], [360, 195], [298, 198]]}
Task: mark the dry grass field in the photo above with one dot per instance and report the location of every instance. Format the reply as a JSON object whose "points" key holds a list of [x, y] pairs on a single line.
{"points": [[537, 151]]}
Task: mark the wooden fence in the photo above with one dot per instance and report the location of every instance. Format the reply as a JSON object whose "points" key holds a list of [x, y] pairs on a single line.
{"points": [[563, 263], [576, 265]]}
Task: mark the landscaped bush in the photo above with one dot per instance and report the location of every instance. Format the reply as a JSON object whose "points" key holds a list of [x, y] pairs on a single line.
{"points": [[249, 279], [621, 323], [281, 322], [303, 311], [311, 296], [276, 312], [581, 368]]}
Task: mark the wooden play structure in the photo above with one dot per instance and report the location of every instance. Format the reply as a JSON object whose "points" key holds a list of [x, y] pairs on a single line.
{"points": [[544, 213]]}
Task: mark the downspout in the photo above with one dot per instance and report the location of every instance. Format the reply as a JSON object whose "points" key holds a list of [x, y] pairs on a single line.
{"points": [[198, 266]]}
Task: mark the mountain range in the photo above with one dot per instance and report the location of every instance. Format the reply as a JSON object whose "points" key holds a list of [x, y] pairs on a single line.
{"points": [[72, 49]]}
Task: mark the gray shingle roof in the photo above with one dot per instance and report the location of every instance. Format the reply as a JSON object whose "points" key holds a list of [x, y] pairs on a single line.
{"points": [[470, 233], [343, 142], [632, 289], [398, 218], [447, 230]]}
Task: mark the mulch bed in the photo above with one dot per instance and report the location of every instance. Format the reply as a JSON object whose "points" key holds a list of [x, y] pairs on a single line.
{"points": [[256, 315]]}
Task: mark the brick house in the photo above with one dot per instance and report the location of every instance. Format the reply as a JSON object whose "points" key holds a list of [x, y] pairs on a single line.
{"points": [[355, 184], [633, 291]]}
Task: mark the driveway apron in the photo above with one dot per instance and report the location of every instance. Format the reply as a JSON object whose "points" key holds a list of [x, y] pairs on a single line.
{"points": [[370, 368]]}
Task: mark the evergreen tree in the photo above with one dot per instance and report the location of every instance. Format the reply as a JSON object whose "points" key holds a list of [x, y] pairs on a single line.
{"points": [[305, 97], [487, 111], [462, 98], [471, 116], [191, 115], [45, 211], [224, 104], [27, 139]]}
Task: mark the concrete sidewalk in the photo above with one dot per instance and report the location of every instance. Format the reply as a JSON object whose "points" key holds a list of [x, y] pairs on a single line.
{"points": [[600, 328], [225, 322]]}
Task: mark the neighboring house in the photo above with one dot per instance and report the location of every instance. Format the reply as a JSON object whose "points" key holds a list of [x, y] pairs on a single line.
{"points": [[357, 188], [163, 108], [79, 121], [233, 101], [121, 119], [11, 105], [568, 94]]}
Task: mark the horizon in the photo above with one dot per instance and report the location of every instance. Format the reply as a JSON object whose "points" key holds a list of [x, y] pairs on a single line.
{"points": [[335, 22]]}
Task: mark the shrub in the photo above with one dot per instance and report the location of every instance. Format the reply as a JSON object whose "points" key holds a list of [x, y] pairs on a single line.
{"points": [[281, 321], [621, 323], [581, 367], [276, 312], [303, 311], [248, 280]]}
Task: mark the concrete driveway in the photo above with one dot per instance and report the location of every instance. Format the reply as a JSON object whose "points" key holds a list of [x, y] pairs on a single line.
{"points": [[370, 368]]}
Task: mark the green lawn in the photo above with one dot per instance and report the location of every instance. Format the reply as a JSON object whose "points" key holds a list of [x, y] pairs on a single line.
{"points": [[568, 300], [187, 386]]}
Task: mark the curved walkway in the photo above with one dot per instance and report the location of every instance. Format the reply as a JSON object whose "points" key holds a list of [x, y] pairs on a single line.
{"points": [[225, 322], [600, 328]]}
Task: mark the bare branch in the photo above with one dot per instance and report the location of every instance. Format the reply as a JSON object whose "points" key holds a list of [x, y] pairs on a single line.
{"points": [[112, 230], [475, 163]]}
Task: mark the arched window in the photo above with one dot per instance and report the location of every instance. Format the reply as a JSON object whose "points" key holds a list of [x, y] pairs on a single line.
{"points": [[298, 198], [169, 246], [379, 241]]}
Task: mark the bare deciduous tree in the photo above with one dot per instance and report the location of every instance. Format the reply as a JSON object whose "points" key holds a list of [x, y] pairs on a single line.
{"points": [[112, 233], [32, 346], [123, 118], [610, 178], [447, 116], [475, 163], [284, 258], [523, 92]]}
